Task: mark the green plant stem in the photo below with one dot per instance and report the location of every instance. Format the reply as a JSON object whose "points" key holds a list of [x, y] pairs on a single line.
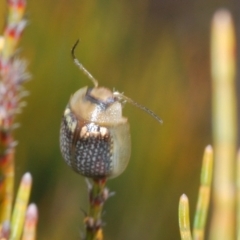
{"points": [[11, 80], [183, 218], [223, 58], [20, 206], [203, 195], [238, 195], [98, 194]]}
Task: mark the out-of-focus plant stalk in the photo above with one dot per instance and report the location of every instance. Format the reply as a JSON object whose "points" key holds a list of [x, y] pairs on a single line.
{"points": [[20, 207], [7, 168], [183, 216], [98, 194], [14, 27], [203, 195], [31, 219], [238, 196], [224, 125], [12, 75]]}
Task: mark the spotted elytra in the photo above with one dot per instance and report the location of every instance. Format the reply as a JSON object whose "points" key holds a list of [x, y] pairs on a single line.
{"points": [[94, 137]]}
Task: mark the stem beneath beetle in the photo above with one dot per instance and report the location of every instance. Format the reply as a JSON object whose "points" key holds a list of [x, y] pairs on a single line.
{"points": [[98, 194]]}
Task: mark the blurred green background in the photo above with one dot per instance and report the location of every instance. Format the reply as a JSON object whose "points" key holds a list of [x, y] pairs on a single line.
{"points": [[157, 53]]}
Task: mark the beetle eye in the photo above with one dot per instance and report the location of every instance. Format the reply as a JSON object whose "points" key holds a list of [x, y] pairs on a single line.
{"points": [[94, 95]]}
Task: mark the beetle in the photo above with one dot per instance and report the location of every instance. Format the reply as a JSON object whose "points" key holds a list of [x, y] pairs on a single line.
{"points": [[94, 136]]}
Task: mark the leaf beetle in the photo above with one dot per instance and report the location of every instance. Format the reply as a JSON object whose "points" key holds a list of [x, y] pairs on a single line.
{"points": [[94, 136]]}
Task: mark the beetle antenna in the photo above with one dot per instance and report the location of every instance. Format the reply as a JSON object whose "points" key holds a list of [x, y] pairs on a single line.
{"points": [[81, 67], [122, 97]]}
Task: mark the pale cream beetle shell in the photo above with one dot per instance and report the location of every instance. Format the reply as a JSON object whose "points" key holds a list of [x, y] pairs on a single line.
{"points": [[95, 139]]}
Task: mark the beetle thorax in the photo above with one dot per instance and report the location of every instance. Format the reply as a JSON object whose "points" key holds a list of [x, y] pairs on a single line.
{"points": [[97, 105]]}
